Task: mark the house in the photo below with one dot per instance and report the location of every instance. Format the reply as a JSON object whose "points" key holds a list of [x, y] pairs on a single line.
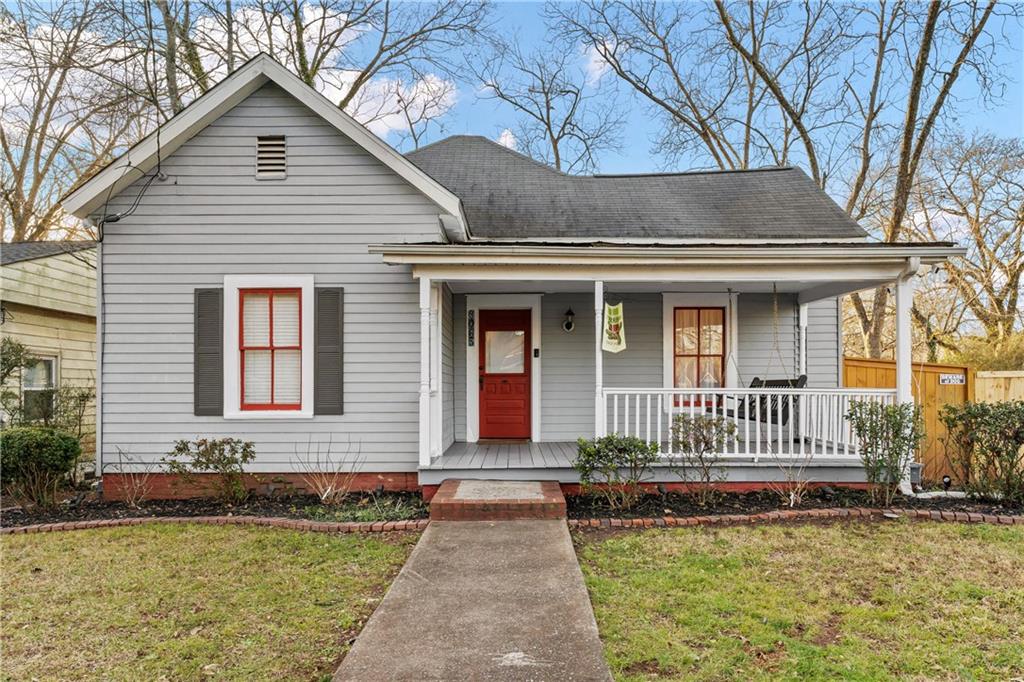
{"points": [[48, 304], [272, 271]]}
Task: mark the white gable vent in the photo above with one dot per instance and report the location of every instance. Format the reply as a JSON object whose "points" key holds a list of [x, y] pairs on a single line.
{"points": [[271, 157]]}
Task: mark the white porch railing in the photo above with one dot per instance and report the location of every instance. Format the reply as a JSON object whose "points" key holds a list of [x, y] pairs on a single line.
{"points": [[775, 422]]}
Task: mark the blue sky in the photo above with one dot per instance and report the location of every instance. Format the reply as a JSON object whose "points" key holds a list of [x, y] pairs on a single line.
{"points": [[472, 115]]}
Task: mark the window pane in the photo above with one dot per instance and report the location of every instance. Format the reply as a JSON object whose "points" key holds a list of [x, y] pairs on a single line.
{"points": [[686, 372], [39, 375], [287, 376], [686, 332], [710, 372], [504, 352], [257, 377], [38, 404], [286, 319], [256, 320], [711, 331]]}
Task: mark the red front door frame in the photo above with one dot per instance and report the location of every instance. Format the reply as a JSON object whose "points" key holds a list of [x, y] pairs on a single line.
{"points": [[505, 408]]}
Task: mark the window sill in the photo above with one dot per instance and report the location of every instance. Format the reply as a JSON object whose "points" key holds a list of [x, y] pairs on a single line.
{"points": [[268, 414]]}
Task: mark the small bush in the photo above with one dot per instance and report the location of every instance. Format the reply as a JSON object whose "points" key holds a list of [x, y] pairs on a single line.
{"points": [[985, 448], [888, 436], [698, 442], [616, 466], [35, 462], [225, 457]]}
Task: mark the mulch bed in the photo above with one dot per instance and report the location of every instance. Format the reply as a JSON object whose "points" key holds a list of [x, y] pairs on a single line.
{"points": [[681, 505], [88, 508]]}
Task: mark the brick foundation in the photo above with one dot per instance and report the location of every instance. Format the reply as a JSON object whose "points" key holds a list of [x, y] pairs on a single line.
{"points": [[175, 487], [724, 486]]}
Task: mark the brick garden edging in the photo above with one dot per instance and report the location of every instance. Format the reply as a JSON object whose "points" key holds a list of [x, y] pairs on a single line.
{"points": [[273, 522], [796, 515]]}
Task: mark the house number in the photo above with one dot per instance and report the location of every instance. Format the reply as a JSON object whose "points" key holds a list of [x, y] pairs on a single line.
{"points": [[470, 327], [951, 379]]}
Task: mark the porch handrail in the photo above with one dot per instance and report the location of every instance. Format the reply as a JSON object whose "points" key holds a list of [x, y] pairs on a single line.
{"points": [[788, 423]]}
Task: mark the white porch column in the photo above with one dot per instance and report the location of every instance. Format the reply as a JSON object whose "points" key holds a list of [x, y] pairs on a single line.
{"points": [[435, 370], [904, 301], [904, 369], [424, 430], [599, 406]]}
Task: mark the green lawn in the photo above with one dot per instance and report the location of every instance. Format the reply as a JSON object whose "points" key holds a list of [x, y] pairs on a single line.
{"points": [[187, 602], [879, 601]]}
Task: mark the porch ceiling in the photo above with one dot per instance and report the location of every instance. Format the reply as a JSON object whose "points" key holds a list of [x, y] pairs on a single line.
{"points": [[561, 286]]}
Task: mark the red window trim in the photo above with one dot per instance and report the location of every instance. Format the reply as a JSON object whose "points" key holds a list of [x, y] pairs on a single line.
{"points": [[242, 348], [699, 355]]}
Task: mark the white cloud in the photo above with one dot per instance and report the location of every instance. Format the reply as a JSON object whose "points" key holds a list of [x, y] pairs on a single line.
{"points": [[596, 66], [507, 139]]}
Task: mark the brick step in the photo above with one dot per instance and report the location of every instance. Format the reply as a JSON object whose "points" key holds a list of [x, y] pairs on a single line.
{"points": [[472, 500]]}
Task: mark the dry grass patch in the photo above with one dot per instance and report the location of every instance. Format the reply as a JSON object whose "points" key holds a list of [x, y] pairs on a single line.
{"points": [[871, 601], [184, 602]]}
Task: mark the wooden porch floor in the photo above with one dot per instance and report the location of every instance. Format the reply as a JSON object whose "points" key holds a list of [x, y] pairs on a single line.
{"points": [[560, 455], [514, 455]]}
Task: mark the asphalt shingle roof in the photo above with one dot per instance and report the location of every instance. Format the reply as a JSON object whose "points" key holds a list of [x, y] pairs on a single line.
{"points": [[508, 195], [16, 252]]}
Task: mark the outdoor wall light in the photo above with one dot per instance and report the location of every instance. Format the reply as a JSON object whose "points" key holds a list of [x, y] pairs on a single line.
{"points": [[568, 325]]}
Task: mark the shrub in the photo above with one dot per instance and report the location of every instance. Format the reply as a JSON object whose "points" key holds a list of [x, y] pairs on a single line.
{"points": [[888, 438], [35, 462], [224, 457], [698, 442], [329, 477], [616, 466], [985, 448]]}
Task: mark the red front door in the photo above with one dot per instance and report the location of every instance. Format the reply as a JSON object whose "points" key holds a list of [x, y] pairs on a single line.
{"points": [[505, 352]]}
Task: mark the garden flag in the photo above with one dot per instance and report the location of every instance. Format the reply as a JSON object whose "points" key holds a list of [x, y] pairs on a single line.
{"points": [[614, 338]]}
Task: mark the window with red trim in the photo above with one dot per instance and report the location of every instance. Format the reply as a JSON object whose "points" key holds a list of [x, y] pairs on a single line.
{"points": [[270, 347], [699, 347]]}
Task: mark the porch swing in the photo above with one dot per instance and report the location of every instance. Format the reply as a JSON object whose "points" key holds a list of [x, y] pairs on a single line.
{"points": [[761, 407]]}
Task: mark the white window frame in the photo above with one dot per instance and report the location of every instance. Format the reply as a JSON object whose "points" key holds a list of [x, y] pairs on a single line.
{"points": [[232, 354], [42, 356], [669, 302]]}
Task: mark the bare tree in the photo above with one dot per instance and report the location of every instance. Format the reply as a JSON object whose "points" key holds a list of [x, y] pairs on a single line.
{"points": [[971, 191], [562, 119], [64, 108]]}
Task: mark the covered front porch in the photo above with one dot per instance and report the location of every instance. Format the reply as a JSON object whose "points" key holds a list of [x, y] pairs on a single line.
{"points": [[770, 365]]}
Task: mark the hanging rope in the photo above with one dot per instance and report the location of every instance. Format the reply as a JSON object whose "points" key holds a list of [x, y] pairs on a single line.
{"points": [[775, 335]]}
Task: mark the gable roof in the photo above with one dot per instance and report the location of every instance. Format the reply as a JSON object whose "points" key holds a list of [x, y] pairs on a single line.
{"points": [[261, 69], [506, 195], [16, 252]]}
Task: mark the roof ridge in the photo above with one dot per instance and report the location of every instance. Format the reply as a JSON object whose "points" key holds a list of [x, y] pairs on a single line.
{"points": [[696, 171]]}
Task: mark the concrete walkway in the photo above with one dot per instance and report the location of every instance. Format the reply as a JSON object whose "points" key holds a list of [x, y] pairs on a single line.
{"points": [[483, 600]]}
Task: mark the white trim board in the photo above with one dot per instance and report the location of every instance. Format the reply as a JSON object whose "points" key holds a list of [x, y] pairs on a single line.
{"points": [[727, 300], [232, 387], [475, 302]]}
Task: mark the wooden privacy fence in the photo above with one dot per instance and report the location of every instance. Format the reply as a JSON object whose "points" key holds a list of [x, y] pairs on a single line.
{"points": [[996, 387], [934, 386]]}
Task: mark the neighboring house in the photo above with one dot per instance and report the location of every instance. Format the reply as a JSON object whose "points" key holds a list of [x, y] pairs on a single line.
{"points": [[48, 298], [290, 279]]}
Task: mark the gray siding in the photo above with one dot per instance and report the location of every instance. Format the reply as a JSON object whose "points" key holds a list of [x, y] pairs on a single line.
{"points": [[211, 218], [567, 384], [447, 371], [823, 344], [768, 342]]}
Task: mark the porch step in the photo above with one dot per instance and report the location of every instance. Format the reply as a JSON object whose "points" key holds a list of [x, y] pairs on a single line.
{"points": [[482, 500]]}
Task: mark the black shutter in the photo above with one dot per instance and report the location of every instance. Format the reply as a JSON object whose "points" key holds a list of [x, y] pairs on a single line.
{"points": [[328, 340], [208, 349]]}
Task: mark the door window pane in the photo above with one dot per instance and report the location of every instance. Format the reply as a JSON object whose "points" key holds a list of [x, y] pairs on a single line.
{"points": [[504, 351]]}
